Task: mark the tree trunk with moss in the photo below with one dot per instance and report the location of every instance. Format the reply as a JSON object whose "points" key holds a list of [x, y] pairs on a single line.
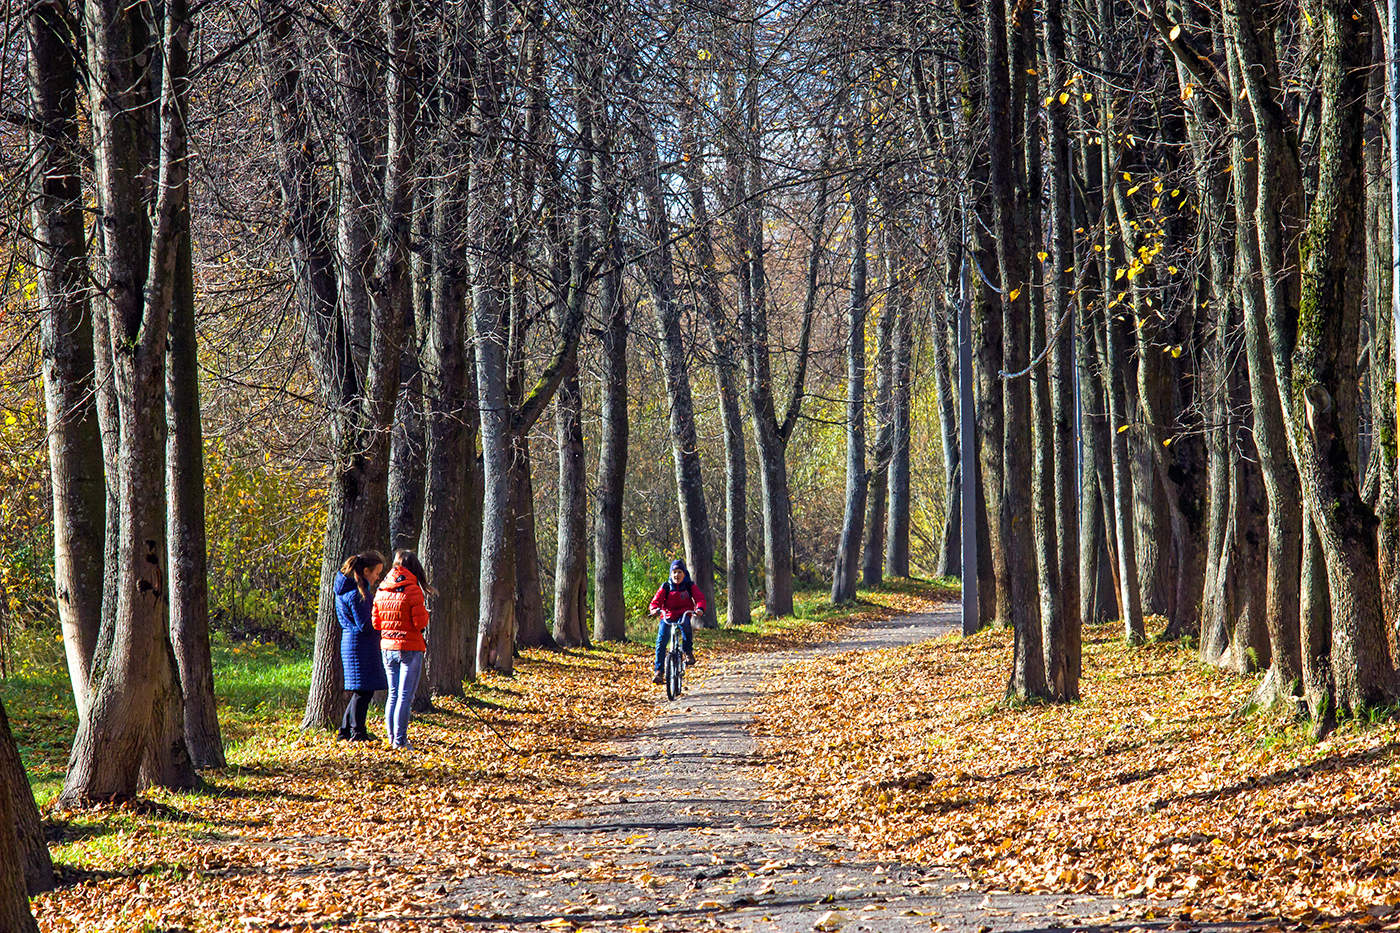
{"points": [[1323, 396]]}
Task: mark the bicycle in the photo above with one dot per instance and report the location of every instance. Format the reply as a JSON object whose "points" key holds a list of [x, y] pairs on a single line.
{"points": [[674, 670]]}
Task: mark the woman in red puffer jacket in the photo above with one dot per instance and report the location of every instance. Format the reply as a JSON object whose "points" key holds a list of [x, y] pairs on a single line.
{"points": [[401, 617]]}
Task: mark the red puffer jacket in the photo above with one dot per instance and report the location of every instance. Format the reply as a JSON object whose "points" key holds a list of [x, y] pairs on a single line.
{"points": [[673, 601], [399, 613]]}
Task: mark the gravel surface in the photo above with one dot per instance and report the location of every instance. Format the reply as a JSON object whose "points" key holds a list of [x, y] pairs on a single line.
{"points": [[676, 834]]}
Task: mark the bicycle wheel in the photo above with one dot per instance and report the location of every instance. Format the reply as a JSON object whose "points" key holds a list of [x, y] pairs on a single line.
{"points": [[677, 682], [672, 676]]}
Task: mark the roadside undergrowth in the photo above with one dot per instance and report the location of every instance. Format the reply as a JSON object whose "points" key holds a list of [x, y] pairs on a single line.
{"points": [[1151, 786]]}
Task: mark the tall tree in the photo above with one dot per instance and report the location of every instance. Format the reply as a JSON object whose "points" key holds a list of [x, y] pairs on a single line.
{"points": [[451, 492], [486, 237], [1061, 633], [897, 518], [15, 864], [36, 865], [137, 275], [726, 365], [576, 256], [189, 558], [844, 572], [66, 336], [1322, 400], [1006, 63], [661, 279], [746, 193], [353, 301], [609, 605], [872, 560]]}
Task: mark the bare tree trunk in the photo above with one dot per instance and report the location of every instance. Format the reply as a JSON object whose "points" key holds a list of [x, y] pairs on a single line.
{"points": [[609, 605], [726, 352], [365, 334], [1315, 615], [1214, 641], [329, 341], [843, 576], [592, 203], [744, 170], [897, 519], [1381, 383], [449, 554], [1062, 677], [166, 760], [1052, 632], [189, 572], [354, 157], [1280, 477], [66, 340], [475, 493], [690, 490], [390, 296], [1006, 65], [571, 562], [16, 861], [943, 333], [872, 562], [736, 499], [36, 866], [408, 445], [992, 575], [1323, 397], [1098, 560], [140, 286], [486, 237], [531, 627], [408, 452]]}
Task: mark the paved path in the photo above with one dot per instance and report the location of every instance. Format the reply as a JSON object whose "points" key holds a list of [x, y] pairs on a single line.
{"points": [[677, 836]]}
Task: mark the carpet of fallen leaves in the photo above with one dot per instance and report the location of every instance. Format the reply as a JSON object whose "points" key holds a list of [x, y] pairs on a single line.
{"points": [[1154, 785], [301, 831], [306, 830]]}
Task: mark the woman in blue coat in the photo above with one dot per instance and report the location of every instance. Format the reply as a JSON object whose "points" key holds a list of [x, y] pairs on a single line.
{"points": [[359, 642]]}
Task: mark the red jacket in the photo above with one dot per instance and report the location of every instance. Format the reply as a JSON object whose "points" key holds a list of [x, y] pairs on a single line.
{"points": [[400, 613], [674, 602]]}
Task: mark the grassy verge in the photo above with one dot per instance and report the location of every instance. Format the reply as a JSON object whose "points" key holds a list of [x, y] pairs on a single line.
{"points": [[297, 820], [1151, 786], [258, 685]]}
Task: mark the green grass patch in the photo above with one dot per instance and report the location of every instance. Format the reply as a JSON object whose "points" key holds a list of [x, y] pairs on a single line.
{"points": [[256, 684]]}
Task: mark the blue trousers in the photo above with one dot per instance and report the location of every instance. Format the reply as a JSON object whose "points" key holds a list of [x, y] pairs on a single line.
{"points": [[663, 638], [402, 668]]}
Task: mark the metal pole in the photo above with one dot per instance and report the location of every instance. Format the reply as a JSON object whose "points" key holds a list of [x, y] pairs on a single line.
{"points": [[967, 457]]}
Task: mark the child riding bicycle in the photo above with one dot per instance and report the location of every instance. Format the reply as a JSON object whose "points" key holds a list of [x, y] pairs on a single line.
{"points": [[678, 599]]}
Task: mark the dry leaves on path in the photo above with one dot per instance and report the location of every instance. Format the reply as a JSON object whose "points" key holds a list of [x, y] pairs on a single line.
{"points": [[303, 831], [1148, 787]]}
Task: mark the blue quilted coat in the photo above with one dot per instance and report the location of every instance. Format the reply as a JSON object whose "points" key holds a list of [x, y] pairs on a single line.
{"points": [[359, 642]]}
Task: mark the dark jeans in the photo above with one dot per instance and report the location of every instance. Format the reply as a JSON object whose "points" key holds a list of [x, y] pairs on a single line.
{"points": [[352, 724], [663, 639]]}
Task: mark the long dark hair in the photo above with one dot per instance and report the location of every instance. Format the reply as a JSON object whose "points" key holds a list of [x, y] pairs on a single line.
{"points": [[355, 567], [408, 560]]}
